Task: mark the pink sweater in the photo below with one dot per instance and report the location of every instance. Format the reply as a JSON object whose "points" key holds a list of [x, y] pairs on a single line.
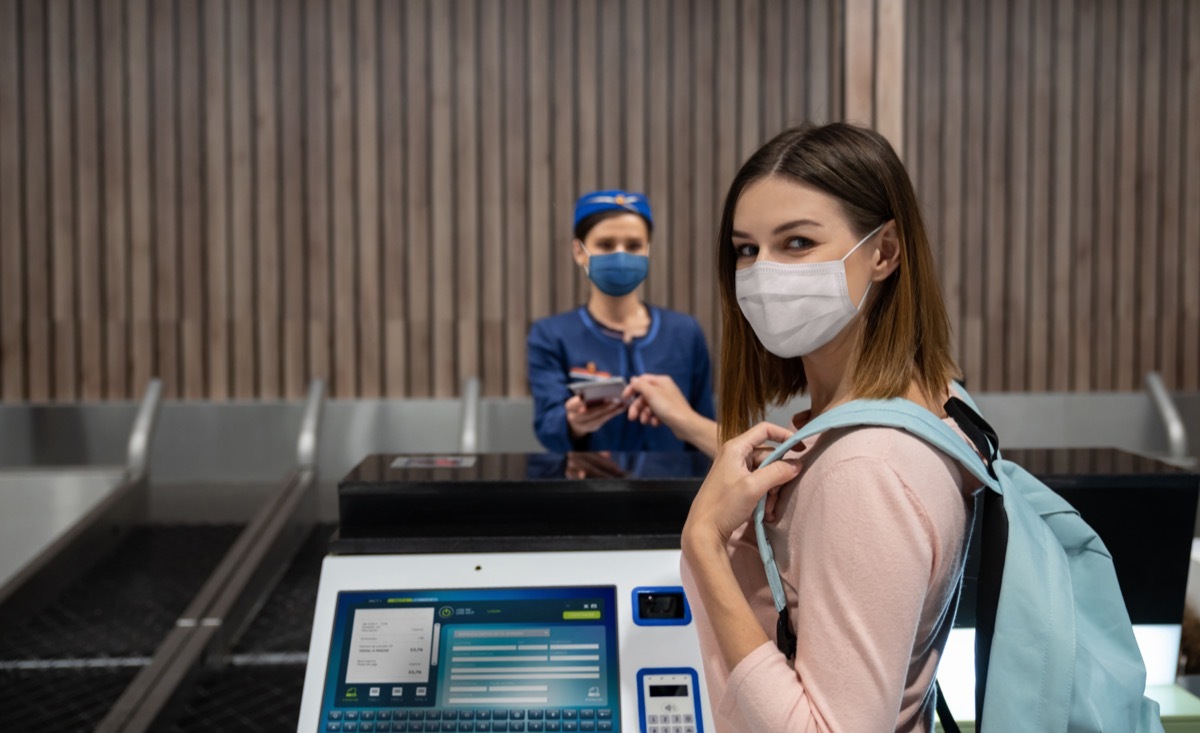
{"points": [[870, 548]]}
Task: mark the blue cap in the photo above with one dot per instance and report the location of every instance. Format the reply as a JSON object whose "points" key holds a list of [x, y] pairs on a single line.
{"points": [[612, 200]]}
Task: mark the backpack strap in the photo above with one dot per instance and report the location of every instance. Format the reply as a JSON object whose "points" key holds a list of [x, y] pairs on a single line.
{"points": [[895, 413]]}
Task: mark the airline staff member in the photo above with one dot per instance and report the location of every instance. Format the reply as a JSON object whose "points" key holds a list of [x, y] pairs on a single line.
{"points": [[668, 404]]}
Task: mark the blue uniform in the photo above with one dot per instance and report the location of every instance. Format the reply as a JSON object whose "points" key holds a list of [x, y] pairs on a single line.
{"points": [[573, 341]]}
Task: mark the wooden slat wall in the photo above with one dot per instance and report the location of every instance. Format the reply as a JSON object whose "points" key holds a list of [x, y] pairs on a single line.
{"points": [[1056, 152], [241, 196]]}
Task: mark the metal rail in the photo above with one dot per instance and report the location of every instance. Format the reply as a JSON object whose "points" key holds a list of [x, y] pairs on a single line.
{"points": [[141, 434], [1177, 443], [469, 436]]}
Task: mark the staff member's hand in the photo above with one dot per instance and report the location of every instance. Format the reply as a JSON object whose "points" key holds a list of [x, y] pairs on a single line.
{"points": [[583, 420], [733, 487]]}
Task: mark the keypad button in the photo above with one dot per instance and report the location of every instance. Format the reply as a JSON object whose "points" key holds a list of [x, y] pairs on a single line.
{"points": [[466, 715], [367, 715], [351, 715], [604, 725], [416, 715], [500, 726], [604, 714], [570, 715], [516, 727], [432, 726], [384, 715], [535, 726], [483, 726], [335, 714], [465, 727], [587, 725], [553, 714], [483, 715], [689, 729], [450, 715], [552, 726], [587, 714], [654, 729], [533, 714], [350, 727], [449, 726], [399, 727], [368, 727], [416, 727], [400, 715], [332, 726]]}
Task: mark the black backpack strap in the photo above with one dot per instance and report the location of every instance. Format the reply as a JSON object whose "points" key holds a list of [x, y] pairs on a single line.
{"points": [[993, 546], [949, 725]]}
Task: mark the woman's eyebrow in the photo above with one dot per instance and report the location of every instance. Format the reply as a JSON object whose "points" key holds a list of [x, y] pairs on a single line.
{"points": [[797, 223], [781, 228]]}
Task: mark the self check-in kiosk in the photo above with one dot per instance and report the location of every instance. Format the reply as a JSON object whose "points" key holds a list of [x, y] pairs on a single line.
{"points": [[508, 593], [541, 592]]}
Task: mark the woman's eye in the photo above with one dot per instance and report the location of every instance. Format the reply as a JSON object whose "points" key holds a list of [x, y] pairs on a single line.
{"points": [[798, 243], [746, 250]]}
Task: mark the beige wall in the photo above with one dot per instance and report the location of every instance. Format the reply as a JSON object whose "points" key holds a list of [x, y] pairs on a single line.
{"points": [[240, 196]]}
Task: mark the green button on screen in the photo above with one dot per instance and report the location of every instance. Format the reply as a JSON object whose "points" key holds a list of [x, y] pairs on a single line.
{"points": [[580, 615]]}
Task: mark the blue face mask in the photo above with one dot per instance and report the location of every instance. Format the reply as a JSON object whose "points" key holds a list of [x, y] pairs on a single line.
{"points": [[618, 273]]}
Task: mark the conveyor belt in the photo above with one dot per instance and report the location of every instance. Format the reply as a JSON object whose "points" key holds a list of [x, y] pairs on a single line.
{"points": [[260, 688], [65, 666]]}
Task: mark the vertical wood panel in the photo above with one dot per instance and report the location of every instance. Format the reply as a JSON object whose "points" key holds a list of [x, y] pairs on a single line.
{"points": [[395, 328], [418, 244], [973, 254], [62, 209], [860, 61], [991, 281], [114, 204], [1062, 268], [343, 245], [317, 185], [1083, 250], [466, 148], [491, 190], [658, 140], [705, 205], [1190, 287], [516, 195], [370, 275], [268, 198], [143, 339], [88, 235], [1148, 269], [541, 225], [293, 245], [163, 207], [1106, 204], [12, 265], [442, 232], [1017, 245], [563, 201], [216, 351], [242, 275], [192, 267], [1166, 294], [1127, 185], [1039, 199], [949, 231]]}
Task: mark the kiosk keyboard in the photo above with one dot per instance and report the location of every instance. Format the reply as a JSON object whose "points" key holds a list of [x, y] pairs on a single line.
{"points": [[536, 720]]}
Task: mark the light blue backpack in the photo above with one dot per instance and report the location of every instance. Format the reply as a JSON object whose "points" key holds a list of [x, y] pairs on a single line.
{"points": [[1054, 647]]}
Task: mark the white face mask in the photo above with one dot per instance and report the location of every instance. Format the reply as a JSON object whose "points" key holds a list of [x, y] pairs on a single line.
{"points": [[796, 309]]}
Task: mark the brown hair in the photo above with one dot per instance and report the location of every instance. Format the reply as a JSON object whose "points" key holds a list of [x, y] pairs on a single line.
{"points": [[905, 334]]}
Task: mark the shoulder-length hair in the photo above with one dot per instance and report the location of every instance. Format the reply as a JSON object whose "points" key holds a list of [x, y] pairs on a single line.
{"points": [[905, 334]]}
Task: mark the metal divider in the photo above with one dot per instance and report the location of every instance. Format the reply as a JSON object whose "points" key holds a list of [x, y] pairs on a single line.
{"points": [[225, 605], [96, 535]]}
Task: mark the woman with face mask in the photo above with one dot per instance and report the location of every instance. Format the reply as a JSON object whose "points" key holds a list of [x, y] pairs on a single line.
{"points": [[828, 287], [667, 404]]}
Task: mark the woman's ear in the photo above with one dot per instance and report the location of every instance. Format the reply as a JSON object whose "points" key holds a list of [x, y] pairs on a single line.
{"points": [[579, 253], [887, 253]]}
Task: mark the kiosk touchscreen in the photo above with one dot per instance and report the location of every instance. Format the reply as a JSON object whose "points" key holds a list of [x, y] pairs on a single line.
{"points": [[481, 659]]}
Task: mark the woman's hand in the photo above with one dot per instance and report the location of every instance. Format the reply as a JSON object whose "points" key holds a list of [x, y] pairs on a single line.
{"points": [[656, 400], [733, 487], [583, 420]]}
